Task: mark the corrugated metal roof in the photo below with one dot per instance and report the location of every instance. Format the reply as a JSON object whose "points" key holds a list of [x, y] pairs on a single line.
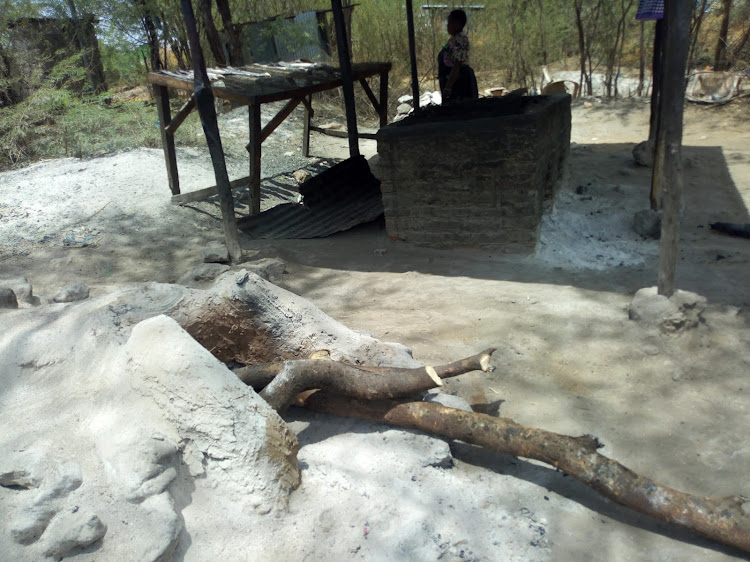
{"points": [[338, 199]]}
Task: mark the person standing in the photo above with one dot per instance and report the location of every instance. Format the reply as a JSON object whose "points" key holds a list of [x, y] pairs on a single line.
{"points": [[456, 77]]}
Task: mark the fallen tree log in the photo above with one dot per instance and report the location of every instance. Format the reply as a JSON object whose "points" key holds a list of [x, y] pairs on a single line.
{"points": [[368, 383], [726, 520]]}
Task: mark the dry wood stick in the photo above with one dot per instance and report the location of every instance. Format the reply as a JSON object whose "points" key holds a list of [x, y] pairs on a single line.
{"points": [[367, 383], [726, 520], [180, 116]]}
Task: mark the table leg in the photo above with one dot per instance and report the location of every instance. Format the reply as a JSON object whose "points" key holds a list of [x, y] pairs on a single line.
{"points": [[167, 141], [383, 112], [254, 149], [306, 128]]}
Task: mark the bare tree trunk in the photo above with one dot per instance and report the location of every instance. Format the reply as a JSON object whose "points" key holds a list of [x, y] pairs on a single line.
{"points": [[212, 34], [695, 29], [542, 35], [721, 519], [92, 62], [152, 37], [234, 42], [741, 43], [582, 48], [720, 56], [641, 60]]}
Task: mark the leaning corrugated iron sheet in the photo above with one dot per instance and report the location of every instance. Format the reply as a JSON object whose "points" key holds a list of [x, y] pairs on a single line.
{"points": [[336, 200]]}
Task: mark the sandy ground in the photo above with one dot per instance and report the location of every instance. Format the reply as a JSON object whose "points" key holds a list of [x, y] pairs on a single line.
{"points": [[673, 407]]}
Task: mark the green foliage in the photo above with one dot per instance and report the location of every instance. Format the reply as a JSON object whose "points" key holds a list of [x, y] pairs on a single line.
{"points": [[123, 65]]}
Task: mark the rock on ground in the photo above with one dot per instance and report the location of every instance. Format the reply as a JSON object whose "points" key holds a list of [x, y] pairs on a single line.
{"points": [[72, 292], [8, 298], [682, 311]]}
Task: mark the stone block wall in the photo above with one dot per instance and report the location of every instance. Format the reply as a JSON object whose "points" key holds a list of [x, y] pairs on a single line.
{"points": [[479, 173]]}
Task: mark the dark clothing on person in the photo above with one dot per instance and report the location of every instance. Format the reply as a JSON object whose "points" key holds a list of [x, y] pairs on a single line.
{"points": [[465, 86]]}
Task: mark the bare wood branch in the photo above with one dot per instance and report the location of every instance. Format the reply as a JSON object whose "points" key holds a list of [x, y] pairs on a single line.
{"points": [[726, 520], [205, 193], [367, 383], [180, 116]]}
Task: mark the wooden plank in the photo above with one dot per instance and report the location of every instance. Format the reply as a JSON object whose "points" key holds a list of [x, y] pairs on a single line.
{"points": [[677, 35], [161, 94], [412, 54], [254, 149], [279, 118], [252, 92], [204, 99], [341, 134], [205, 193], [347, 78], [370, 95], [186, 84], [383, 98], [180, 116]]}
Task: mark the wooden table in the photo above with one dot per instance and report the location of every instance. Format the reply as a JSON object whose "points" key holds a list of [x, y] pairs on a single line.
{"points": [[253, 86]]}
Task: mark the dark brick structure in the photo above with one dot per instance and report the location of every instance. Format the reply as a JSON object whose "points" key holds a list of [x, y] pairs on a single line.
{"points": [[479, 173]]}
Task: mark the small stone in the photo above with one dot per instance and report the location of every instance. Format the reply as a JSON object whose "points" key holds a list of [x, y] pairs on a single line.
{"points": [[70, 531], [216, 254], [676, 375], [404, 108], [22, 288], [643, 153], [652, 309], [75, 291], [8, 298], [405, 99], [302, 176], [651, 350], [647, 223]]}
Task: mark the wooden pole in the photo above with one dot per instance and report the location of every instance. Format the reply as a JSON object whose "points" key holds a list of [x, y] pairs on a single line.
{"points": [[161, 94], [204, 99], [306, 127], [345, 63], [657, 78], [254, 147], [383, 98], [412, 54], [669, 136]]}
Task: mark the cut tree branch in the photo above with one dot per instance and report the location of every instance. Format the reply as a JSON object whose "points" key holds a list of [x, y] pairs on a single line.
{"points": [[367, 383], [726, 520]]}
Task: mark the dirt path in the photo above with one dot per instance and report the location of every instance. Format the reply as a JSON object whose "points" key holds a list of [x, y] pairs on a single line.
{"points": [[674, 407]]}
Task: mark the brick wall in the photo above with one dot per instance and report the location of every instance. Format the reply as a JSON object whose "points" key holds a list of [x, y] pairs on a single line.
{"points": [[479, 173]]}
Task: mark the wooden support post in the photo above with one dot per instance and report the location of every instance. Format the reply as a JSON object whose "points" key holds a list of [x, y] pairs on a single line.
{"points": [[345, 63], [412, 54], [657, 78], [167, 141], [254, 149], [370, 94], [669, 136], [306, 127], [383, 98], [279, 118], [204, 99], [180, 116], [207, 192]]}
